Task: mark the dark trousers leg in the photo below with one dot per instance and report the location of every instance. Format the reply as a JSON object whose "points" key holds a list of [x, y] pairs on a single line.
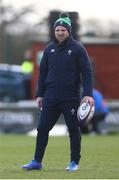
{"points": [[70, 115], [49, 116], [41, 143]]}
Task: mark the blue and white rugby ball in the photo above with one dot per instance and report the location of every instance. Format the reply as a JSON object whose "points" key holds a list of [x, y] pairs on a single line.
{"points": [[85, 112]]}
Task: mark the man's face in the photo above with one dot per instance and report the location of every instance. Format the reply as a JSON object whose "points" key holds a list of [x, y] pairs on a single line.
{"points": [[61, 34]]}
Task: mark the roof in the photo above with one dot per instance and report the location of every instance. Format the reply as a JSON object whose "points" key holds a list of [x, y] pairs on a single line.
{"points": [[98, 41], [83, 39]]}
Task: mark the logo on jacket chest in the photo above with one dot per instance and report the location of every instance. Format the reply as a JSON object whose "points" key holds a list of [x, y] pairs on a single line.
{"points": [[52, 50], [69, 52]]}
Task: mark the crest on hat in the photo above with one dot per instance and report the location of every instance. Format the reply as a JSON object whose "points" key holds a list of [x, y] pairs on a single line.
{"points": [[61, 22]]}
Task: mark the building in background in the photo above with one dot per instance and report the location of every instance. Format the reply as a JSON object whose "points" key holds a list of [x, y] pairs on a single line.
{"points": [[105, 55]]}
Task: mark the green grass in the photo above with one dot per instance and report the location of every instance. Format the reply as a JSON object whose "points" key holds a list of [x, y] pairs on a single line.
{"points": [[100, 158]]}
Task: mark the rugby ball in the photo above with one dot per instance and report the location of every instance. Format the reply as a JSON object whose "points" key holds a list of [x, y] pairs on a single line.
{"points": [[85, 112]]}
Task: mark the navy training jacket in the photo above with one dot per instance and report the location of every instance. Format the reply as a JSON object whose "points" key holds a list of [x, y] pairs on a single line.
{"points": [[63, 70]]}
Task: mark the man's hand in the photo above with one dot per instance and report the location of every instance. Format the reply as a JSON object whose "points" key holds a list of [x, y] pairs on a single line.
{"points": [[89, 99], [39, 101]]}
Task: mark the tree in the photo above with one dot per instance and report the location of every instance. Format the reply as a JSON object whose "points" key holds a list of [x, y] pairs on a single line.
{"points": [[11, 25]]}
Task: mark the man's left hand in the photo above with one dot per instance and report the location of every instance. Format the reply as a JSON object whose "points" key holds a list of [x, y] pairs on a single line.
{"points": [[89, 99]]}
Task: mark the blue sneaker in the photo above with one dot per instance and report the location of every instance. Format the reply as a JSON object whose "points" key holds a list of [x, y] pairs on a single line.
{"points": [[72, 166], [32, 165]]}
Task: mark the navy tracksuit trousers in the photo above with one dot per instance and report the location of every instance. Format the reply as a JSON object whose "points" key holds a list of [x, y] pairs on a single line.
{"points": [[52, 108]]}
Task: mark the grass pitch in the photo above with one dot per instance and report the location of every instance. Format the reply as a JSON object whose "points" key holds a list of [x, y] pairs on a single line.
{"points": [[100, 158]]}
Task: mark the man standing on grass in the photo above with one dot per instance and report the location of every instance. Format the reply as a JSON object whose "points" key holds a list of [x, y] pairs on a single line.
{"points": [[64, 68]]}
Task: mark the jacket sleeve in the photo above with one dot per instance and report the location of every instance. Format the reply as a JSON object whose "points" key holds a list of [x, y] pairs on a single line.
{"points": [[86, 72], [43, 69]]}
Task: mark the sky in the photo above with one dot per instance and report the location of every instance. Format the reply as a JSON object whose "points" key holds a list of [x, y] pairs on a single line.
{"points": [[102, 9]]}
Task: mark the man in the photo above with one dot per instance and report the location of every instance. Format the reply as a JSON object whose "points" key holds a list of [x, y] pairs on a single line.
{"points": [[64, 62], [27, 70], [101, 111]]}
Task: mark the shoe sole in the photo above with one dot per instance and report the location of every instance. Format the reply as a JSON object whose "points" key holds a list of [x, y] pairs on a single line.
{"points": [[72, 170], [31, 169]]}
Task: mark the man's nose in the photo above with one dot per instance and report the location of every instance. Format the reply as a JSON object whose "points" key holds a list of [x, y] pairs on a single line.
{"points": [[60, 32]]}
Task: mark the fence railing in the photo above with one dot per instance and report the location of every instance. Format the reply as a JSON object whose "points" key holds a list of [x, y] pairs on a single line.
{"points": [[22, 116]]}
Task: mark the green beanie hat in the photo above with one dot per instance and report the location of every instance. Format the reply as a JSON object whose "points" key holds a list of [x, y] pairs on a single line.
{"points": [[63, 20]]}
